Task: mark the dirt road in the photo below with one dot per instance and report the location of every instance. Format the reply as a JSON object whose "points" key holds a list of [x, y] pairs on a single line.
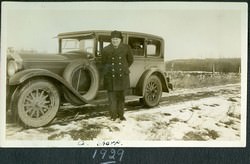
{"points": [[202, 114]]}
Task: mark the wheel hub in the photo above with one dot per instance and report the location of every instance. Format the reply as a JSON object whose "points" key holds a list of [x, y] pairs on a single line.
{"points": [[37, 103]]}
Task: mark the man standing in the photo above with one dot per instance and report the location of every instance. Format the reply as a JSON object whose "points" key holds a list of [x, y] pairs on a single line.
{"points": [[116, 59]]}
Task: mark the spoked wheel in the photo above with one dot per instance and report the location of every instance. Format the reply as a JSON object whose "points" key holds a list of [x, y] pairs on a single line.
{"points": [[37, 103], [152, 91]]}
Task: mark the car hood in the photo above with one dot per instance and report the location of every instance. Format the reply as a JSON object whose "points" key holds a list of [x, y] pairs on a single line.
{"points": [[22, 57], [42, 56]]}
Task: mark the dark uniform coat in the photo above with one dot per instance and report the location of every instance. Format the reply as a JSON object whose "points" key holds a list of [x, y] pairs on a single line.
{"points": [[116, 63]]}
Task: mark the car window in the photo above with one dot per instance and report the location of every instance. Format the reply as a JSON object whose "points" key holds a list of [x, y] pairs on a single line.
{"points": [[83, 44], [137, 45], [103, 41], [70, 45], [153, 48], [87, 45]]}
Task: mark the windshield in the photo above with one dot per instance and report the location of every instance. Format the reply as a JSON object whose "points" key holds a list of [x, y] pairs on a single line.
{"points": [[84, 45]]}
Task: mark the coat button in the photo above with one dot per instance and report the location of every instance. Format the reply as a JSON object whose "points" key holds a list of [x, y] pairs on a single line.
{"points": [[120, 57], [120, 75], [113, 58], [120, 63], [113, 63], [120, 69], [113, 75], [113, 70]]}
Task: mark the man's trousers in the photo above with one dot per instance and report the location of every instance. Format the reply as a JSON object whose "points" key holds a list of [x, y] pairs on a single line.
{"points": [[116, 101]]}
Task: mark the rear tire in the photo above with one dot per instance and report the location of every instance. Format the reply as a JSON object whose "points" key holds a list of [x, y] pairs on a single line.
{"points": [[152, 90]]}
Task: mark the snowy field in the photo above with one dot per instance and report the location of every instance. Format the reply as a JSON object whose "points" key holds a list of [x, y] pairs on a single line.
{"points": [[202, 114]]}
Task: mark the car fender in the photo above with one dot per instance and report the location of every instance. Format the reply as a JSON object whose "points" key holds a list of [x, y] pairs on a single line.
{"points": [[24, 75], [146, 74]]}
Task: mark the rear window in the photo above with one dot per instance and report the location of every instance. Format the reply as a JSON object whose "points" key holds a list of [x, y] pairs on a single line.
{"points": [[153, 48]]}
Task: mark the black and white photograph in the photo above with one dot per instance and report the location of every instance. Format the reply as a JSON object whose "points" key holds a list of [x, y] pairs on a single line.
{"points": [[123, 74]]}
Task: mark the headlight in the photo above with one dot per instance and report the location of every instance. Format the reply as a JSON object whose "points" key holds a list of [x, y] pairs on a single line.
{"points": [[12, 67]]}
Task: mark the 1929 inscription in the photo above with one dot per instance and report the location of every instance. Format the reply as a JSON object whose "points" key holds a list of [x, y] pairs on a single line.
{"points": [[107, 156]]}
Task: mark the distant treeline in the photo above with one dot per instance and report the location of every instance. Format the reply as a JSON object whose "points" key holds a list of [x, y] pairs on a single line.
{"points": [[209, 65]]}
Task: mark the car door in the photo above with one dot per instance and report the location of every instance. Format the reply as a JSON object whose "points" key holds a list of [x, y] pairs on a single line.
{"points": [[137, 44], [103, 40]]}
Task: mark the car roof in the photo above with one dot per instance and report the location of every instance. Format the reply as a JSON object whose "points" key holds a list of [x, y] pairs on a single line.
{"points": [[92, 32]]}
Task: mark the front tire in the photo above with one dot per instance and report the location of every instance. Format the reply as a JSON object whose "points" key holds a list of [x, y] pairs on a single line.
{"points": [[152, 91], [37, 103]]}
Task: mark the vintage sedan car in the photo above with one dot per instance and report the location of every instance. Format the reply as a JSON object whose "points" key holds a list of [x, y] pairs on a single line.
{"points": [[37, 84]]}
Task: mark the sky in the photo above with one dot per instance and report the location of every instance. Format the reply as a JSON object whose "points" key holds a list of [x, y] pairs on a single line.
{"points": [[190, 30]]}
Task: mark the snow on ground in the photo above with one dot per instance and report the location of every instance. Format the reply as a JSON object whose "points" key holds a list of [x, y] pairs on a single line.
{"points": [[215, 116]]}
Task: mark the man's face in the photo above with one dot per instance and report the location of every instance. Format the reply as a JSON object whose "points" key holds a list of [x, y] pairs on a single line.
{"points": [[115, 41]]}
